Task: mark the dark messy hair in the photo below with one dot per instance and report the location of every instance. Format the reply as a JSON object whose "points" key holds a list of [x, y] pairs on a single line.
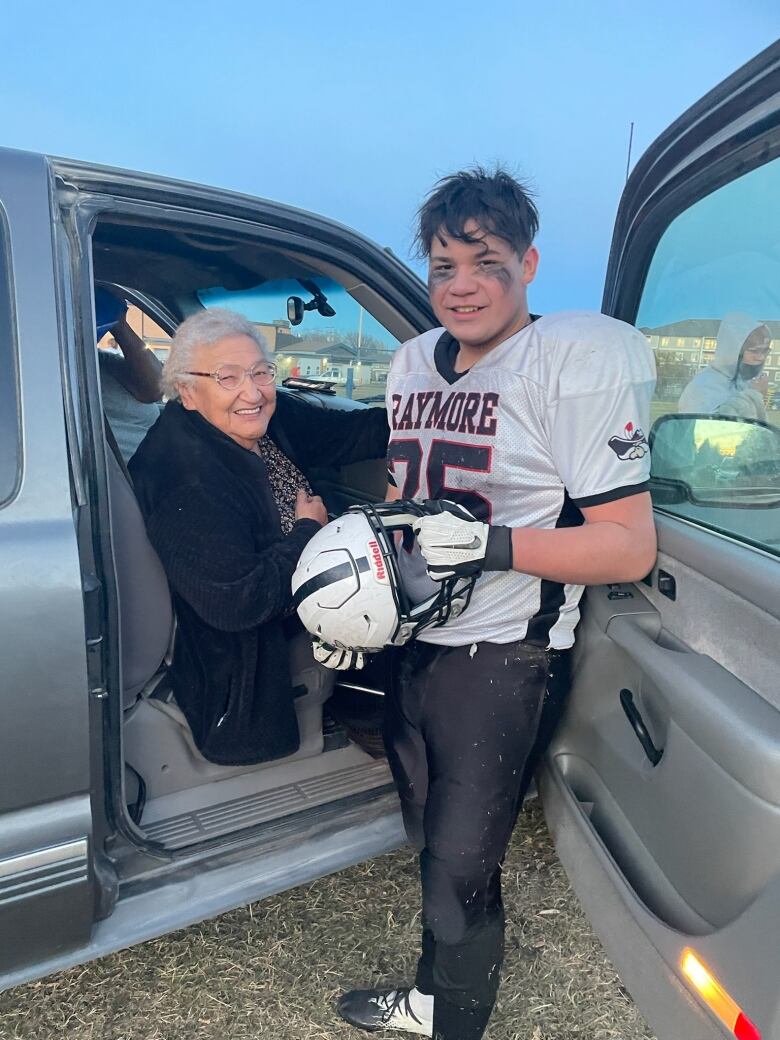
{"points": [[499, 204]]}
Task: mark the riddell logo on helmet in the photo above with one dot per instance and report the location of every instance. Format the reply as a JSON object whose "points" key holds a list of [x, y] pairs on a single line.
{"points": [[376, 558]]}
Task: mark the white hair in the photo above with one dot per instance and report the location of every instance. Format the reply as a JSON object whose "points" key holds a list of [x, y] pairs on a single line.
{"points": [[204, 329]]}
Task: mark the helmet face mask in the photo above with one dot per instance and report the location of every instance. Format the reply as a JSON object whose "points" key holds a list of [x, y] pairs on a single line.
{"points": [[347, 589]]}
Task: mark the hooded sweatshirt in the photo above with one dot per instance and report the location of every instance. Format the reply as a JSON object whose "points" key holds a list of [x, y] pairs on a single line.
{"points": [[719, 389]]}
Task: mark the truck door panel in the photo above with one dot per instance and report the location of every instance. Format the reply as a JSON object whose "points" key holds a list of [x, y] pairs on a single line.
{"points": [[45, 820]]}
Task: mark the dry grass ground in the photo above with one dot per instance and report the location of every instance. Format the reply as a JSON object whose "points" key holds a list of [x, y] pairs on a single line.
{"points": [[273, 970]]}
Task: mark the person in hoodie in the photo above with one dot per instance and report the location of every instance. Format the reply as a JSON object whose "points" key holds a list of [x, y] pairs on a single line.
{"points": [[734, 382]]}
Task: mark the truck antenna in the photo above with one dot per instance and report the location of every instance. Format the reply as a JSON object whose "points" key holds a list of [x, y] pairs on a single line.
{"points": [[630, 142]]}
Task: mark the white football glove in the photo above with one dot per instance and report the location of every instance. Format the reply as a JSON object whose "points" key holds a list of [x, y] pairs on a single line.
{"points": [[456, 547], [336, 658]]}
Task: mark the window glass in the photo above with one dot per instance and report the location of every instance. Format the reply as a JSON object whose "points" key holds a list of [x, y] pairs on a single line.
{"points": [[153, 335], [337, 342], [711, 312], [9, 404]]}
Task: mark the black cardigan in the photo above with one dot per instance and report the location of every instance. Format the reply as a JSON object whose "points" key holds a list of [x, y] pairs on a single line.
{"points": [[212, 518]]}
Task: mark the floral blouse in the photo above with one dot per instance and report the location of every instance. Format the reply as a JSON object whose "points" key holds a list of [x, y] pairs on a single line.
{"points": [[286, 480]]}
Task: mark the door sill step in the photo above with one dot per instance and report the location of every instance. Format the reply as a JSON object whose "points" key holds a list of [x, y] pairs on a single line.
{"points": [[248, 811]]}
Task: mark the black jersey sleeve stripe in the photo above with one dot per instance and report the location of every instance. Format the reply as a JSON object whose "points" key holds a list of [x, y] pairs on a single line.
{"points": [[552, 594], [613, 495]]}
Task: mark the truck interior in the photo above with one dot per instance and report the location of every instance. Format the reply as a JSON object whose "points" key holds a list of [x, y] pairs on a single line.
{"points": [[174, 795]]}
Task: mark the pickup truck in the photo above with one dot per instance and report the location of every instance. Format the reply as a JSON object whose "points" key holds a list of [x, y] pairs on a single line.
{"points": [[662, 785]]}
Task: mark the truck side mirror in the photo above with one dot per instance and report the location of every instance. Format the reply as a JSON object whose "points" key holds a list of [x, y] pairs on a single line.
{"points": [[715, 460]]}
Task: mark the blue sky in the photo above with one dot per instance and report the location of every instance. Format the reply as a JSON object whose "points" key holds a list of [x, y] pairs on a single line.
{"points": [[711, 260], [354, 109], [269, 301]]}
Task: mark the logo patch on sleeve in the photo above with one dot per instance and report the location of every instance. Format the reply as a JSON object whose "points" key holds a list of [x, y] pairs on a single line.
{"points": [[631, 444]]}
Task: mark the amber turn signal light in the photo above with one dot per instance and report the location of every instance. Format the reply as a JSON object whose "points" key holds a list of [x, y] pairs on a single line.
{"points": [[716, 998]]}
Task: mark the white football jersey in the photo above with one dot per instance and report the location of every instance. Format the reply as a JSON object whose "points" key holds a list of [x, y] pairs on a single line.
{"points": [[550, 421]]}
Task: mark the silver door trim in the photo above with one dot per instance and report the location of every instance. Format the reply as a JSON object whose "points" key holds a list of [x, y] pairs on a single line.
{"points": [[48, 857]]}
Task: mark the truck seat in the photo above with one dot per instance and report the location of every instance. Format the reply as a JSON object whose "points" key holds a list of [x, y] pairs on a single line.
{"points": [[145, 609], [158, 741]]}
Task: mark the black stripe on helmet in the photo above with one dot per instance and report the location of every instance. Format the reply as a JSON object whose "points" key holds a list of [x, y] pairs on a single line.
{"points": [[319, 581]]}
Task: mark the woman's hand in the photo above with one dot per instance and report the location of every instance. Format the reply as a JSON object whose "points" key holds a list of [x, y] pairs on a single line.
{"points": [[310, 507]]}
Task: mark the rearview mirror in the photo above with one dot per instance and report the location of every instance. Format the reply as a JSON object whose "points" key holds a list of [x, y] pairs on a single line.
{"points": [[715, 460], [295, 310]]}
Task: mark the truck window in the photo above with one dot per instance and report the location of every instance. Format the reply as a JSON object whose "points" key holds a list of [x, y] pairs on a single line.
{"points": [[710, 309], [345, 346]]}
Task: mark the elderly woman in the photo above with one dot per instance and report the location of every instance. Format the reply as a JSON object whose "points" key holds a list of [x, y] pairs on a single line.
{"points": [[221, 480]]}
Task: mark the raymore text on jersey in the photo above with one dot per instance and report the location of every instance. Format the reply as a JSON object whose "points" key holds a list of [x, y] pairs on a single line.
{"points": [[461, 412]]}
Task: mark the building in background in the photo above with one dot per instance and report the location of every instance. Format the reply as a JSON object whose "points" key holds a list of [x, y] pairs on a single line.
{"points": [[681, 350], [316, 359]]}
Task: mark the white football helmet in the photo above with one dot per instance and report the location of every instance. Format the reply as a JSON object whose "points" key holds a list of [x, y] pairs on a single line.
{"points": [[347, 590]]}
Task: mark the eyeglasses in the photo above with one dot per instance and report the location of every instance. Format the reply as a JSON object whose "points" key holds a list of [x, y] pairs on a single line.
{"points": [[231, 377]]}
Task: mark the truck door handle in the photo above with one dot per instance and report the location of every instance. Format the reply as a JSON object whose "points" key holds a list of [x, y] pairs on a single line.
{"points": [[637, 724]]}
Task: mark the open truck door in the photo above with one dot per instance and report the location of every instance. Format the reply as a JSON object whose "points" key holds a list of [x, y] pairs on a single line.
{"points": [[662, 786]]}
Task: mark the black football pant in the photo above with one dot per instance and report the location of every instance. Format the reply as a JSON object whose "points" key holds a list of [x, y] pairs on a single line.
{"points": [[465, 727]]}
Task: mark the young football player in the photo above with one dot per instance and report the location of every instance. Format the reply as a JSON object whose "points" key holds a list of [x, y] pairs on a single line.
{"points": [[534, 424]]}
